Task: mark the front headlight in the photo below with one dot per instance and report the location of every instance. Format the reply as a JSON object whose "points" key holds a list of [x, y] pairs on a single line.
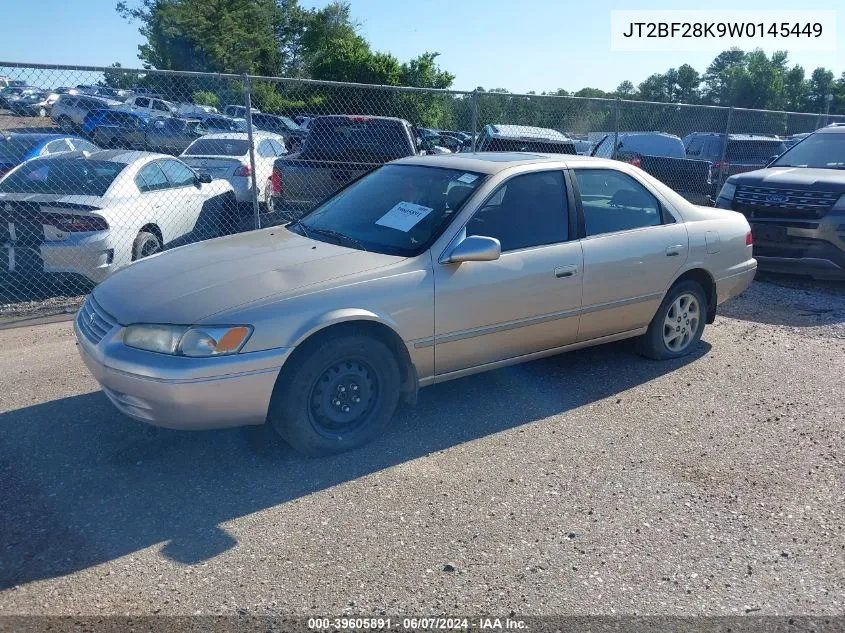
{"points": [[728, 191], [180, 340]]}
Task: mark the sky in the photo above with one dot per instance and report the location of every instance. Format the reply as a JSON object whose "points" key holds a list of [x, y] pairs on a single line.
{"points": [[521, 46]]}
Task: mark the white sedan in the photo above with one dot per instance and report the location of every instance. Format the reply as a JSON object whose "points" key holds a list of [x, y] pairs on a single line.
{"points": [[92, 214], [226, 156]]}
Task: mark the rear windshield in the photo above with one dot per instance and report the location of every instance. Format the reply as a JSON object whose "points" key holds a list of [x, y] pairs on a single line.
{"points": [[218, 147], [13, 150], [756, 151], [821, 151], [356, 139], [62, 176], [520, 145]]}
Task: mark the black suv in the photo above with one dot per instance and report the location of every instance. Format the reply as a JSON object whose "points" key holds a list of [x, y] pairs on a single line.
{"points": [[745, 152], [796, 206]]}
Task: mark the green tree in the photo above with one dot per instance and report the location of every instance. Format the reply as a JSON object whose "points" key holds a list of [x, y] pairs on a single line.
{"points": [[720, 73], [821, 84], [625, 90]]}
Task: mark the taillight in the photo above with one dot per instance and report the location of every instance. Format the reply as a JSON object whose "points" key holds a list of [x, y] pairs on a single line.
{"points": [[635, 161], [245, 170], [76, 223], [749, 239], [276, 181]]}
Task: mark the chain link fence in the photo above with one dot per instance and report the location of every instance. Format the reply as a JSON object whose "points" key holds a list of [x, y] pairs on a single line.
{"points": [[102, 166]]}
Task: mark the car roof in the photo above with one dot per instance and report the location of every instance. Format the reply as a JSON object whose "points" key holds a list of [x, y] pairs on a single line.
{"points": [[494, 162], [833, 128], [240, 136], [524, 132], [38, 136], [738, 136], [124, 156]]}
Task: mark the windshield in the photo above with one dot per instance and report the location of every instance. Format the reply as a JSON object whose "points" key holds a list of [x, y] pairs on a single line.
{"points": [[64, 176], [521, 145], [218, 147], [13, 150], [753, 151], [396, 209], [822, 151], [359, 139]]}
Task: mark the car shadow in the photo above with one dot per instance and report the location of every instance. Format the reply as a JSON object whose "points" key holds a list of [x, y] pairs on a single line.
{"points": [[789, 300], [80, 484], [215, 220]]}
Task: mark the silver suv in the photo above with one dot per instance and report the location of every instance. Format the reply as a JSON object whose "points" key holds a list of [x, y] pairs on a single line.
{"points": [[70, 110]]}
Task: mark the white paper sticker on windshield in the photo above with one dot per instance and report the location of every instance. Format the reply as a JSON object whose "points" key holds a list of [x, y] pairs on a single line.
{"points": [[468, 178], [404, 216]]}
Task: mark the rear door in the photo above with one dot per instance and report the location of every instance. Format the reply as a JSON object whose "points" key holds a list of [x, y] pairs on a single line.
{"points": [[633, 248]]}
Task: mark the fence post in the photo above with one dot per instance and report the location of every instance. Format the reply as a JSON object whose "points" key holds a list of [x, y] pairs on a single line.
{"points": [[721, 180], [474, 117], [615, 127], [248, 103]]}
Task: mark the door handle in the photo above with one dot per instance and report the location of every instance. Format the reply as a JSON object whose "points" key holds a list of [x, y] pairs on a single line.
{"points": [[566, 271], [674, 251]]}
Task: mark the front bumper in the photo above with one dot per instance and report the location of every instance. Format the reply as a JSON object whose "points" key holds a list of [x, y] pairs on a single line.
{"points": [[179, 392]]}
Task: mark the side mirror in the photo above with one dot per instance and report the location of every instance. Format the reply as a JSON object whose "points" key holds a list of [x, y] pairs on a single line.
{"points": [[475, 248], [204, 178]]}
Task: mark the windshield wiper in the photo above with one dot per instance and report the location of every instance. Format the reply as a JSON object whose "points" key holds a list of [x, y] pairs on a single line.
{"points": [[341, 237]]}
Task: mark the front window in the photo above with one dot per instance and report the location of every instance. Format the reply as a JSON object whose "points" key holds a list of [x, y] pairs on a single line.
{"points": [[62, 176], [396, 209], [821, 151]]}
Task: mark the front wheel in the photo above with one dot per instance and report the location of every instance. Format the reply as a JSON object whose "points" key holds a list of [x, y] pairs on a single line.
{"points": [[678, 324], [338, 394]]}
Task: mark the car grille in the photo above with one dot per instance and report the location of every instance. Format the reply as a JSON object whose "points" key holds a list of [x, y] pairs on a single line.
{"points": [[769, 202], [93, 321]]}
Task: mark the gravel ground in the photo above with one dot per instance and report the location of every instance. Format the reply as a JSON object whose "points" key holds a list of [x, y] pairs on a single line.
{"points": [[594, 482]]}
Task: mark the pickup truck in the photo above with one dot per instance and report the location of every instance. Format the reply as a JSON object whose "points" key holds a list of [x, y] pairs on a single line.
{"points": [[337, 150], [664, 157]]}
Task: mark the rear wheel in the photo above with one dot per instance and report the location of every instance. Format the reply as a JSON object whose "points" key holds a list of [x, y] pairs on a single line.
{"points": [[678, 324], [339, 393], [145, 244]]}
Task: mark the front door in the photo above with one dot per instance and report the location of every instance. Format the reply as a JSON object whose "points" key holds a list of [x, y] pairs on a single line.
{"points": [[526, 301]]}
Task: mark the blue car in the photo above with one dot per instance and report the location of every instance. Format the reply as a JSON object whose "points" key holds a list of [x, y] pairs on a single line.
{"points": [[116, 128], [17, 148]]}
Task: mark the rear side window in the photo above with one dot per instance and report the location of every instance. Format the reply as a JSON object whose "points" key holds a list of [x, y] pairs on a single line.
{"points": [[151, 178], [57, 146], [695, 146], [613, 201], [142, 102], [178, 174], [527, 210]]}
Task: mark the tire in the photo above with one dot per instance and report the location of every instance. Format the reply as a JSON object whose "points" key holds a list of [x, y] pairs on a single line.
{"points": [[268, 206], [66, 124], [305, 407], [145, 244], [684, 299]]}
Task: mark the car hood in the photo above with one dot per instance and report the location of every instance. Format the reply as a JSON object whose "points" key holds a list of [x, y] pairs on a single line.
{"points": [[190, 283], [801, 177]]}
